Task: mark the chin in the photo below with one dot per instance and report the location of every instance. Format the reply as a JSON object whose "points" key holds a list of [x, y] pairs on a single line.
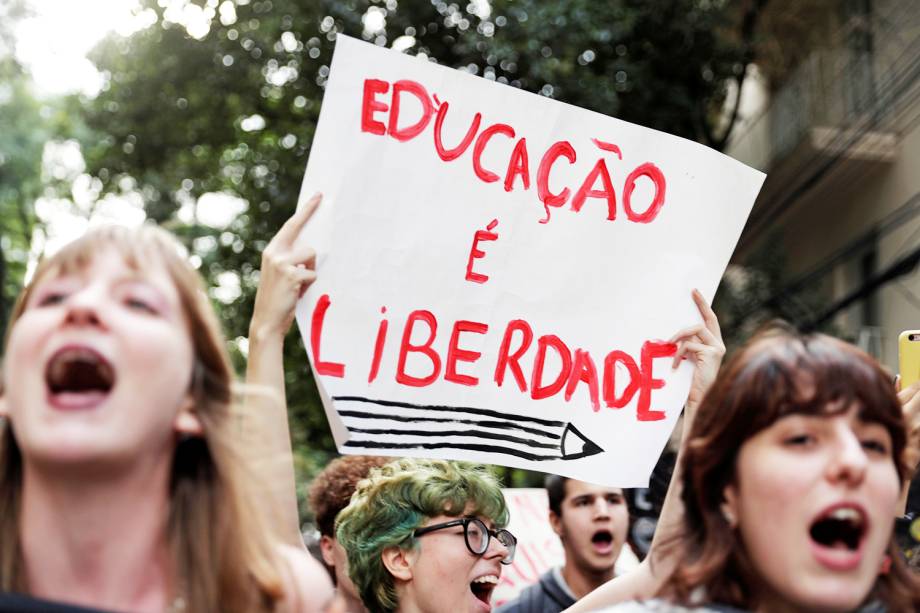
{"points": [[838, 597], [73, 451]]}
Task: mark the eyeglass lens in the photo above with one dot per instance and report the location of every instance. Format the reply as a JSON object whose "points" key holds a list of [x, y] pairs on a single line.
{"points": [[477, 537]]}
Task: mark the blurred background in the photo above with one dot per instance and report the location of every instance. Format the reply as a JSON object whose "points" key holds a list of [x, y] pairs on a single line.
{"points": [[199, 115]]}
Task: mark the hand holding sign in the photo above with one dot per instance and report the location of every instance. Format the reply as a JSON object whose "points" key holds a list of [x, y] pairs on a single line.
{"points": [[287, 271], [497, 270], [702, 344]]}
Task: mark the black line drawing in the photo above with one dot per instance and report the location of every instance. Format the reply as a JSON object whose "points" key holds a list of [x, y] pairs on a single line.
{"points": [[393, 428]]}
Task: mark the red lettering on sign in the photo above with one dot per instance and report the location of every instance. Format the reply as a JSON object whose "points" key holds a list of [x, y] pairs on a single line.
{"points": [[518, 166], [413, 130], [654, 173], [425, 348], [369, 106], [651, 351], [587, 190], [605, 146], [378, 347], [511, 360], [556, 150], [476, 252], [332, 369], [537, 389], [455, 353], [451, 154], [487, 175], [610, 362], [583, 371]]}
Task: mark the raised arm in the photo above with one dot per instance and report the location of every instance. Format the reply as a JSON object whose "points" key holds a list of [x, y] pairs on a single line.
{"points": [[287, 271], [701, 343]]}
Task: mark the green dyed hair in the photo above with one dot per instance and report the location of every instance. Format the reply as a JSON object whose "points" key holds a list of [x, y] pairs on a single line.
{"points": [[399, 497]]}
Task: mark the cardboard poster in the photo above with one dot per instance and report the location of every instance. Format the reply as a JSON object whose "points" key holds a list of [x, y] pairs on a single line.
{"points": [[498, 272]]}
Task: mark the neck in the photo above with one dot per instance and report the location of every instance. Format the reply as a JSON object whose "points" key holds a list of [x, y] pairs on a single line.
{"points": [[353, 604], [98, 541], [773, 603], [582, 581]]}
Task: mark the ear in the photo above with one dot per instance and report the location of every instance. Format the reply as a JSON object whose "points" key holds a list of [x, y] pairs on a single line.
{"points": [[399, 562], [186, 421], [729, 506], [555, 523], [325, 547]]}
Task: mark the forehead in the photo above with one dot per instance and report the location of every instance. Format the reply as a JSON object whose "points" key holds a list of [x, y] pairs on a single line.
{"points": [[575, 488], [109, 261], [469, 511], [852, 415]]}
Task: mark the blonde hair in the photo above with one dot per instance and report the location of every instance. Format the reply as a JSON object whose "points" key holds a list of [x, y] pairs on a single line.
{"points": [[223, 553]]}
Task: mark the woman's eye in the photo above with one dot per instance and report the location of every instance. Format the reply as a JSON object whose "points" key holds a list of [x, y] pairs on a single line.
{"points": [[51, 298], [139, 305], [875, 445], [799, 440]]}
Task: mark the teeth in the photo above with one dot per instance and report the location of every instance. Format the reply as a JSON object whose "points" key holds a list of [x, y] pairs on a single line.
{"points": [[486, 579], [847, 514]]}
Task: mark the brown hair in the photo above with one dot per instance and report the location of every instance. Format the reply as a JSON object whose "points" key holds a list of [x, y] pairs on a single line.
{"points": [[332, 488], [778, 373], [223, 554]]}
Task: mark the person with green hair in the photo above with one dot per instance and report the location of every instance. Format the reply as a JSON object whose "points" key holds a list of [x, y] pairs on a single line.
{"points": [[426, 535]]}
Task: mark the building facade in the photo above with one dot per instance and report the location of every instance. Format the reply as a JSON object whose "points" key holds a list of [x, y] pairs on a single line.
{"points": [[839, 214]]}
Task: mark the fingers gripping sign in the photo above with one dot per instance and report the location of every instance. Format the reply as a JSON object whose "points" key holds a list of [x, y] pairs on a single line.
{"points": [[287, 271], [701, 343]]}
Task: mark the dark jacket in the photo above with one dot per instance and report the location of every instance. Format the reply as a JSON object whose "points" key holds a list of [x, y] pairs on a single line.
{"points": [[544, 596]]}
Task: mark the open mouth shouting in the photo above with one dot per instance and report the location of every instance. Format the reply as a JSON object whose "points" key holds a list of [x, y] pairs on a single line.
{"points": [[602, 542], [837, 535], [482, 588], [78, 377]]}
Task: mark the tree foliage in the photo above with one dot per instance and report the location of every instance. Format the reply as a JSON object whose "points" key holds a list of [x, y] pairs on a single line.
{"points": [[21, 143]]}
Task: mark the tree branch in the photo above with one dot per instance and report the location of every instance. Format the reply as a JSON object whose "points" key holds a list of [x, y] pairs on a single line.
{"points": [[748, 55]]}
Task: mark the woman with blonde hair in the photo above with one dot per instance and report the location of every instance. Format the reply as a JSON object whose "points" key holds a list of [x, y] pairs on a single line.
{"points": [[119, 483]]}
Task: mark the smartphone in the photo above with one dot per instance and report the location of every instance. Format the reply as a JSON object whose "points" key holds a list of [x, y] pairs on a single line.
{"points": [[909, 357]]}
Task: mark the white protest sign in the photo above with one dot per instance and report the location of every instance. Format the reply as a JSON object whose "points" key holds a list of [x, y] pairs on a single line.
{"points": [[539, 548], [497, 270]]}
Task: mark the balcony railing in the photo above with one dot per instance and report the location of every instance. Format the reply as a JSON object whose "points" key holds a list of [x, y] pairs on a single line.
{"points": [[841, 94]]}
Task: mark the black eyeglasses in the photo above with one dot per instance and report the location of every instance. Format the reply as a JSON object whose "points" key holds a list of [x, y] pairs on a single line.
{"points": [[477, 536]]}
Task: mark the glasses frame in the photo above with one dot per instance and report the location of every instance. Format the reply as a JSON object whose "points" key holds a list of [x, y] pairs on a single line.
{"points": [[490, 533]]}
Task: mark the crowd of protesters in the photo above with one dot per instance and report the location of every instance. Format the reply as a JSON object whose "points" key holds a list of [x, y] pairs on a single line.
{"points": [[136, 476]]}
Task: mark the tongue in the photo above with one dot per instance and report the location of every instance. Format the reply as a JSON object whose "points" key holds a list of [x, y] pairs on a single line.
{"points": [[602, 546], [78, 400], [480, 591]]}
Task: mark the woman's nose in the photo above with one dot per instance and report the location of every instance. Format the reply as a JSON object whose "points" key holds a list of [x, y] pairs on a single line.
{"points": [[849, 460], [83, 307]]}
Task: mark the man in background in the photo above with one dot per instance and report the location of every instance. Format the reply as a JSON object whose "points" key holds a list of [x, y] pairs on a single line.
{"points": [[331, 492], [591, 522]]}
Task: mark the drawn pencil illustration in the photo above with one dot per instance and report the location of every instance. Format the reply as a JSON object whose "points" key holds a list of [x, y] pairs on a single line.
{"points": [[385, 424]]}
